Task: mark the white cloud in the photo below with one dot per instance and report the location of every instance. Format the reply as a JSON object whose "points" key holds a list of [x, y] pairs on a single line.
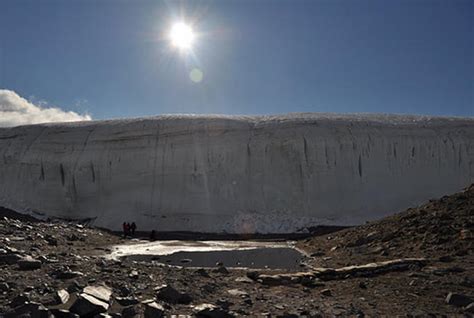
{"points": [[15, 110]]}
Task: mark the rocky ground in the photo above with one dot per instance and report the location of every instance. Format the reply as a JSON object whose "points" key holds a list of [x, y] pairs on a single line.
{"points": [[416, 263]]}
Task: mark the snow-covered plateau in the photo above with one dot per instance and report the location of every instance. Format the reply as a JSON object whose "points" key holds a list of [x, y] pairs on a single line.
{"points": [[234, 174]]}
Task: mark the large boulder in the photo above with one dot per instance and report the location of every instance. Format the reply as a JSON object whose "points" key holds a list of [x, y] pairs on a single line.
{"points": [[87, 305], [100, 292]]}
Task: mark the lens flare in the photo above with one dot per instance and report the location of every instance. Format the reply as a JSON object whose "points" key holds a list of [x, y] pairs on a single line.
{"points": [[196, 75]]}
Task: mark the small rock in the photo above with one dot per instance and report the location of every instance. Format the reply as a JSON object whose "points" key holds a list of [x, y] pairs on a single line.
{"points": [[467, 282], [238, 292], [186, 260], [130, 312], [30, 310], [458, 300], [326, 292], [224, 303], [209, 288], [63, 313], [74, 287], [67, 274], [12, 250], [466, 234], [253, 275], [363, 285], [274, 280], [202, 272], [29, 288], [288, 316], [317, 254], [127, 301], [4, 287], [19, 301], [133, 274], [446, 259], [171, 295], [72, 237], [211, 311], [17, 238], [44, 260], [125, 291], [221, 270], [9, 259], [153, 310], [311, 282], [51, 240], [448, 270], [470, 308], [62, 296], [53, 297], [101, 263], [243, 280], [462, 252]]}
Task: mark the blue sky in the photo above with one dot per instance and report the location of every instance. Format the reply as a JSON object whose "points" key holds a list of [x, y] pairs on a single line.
{"points": [[111, 59]]}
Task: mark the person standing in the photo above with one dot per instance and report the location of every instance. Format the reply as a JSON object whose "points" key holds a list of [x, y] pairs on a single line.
{"points": [[124, 228], [153, 235], [133, 227]]}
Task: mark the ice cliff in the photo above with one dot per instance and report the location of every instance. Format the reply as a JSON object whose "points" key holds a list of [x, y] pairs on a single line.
{"points": [[236, 174]]}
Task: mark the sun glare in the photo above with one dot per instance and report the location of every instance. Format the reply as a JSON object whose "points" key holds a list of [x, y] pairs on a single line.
{"points": [[182, 36]]}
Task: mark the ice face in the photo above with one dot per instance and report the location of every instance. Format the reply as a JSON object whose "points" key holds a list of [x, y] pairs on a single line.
{"points": [[235, 174]]}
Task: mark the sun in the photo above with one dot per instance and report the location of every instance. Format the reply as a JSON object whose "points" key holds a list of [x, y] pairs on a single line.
{"points": [[182, 36]]}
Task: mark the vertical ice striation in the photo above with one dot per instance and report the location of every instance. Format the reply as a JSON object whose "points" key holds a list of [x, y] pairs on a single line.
{"points": [[236, 174]]}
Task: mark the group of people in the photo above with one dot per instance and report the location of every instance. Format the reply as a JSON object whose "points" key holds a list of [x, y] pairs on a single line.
{"points": [[129, 229]]}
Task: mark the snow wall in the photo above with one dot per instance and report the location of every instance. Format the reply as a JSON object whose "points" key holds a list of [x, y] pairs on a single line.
{"points": [[234, 174]]}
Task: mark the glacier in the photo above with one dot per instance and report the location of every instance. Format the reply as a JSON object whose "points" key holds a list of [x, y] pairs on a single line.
{"points": [[234, 174]]}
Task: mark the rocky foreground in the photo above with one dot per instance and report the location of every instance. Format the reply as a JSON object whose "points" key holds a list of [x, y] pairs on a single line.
{"points": [[416, 263]]}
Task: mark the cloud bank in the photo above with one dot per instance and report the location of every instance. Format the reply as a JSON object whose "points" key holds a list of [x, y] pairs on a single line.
{"points": [[15, 111]]}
